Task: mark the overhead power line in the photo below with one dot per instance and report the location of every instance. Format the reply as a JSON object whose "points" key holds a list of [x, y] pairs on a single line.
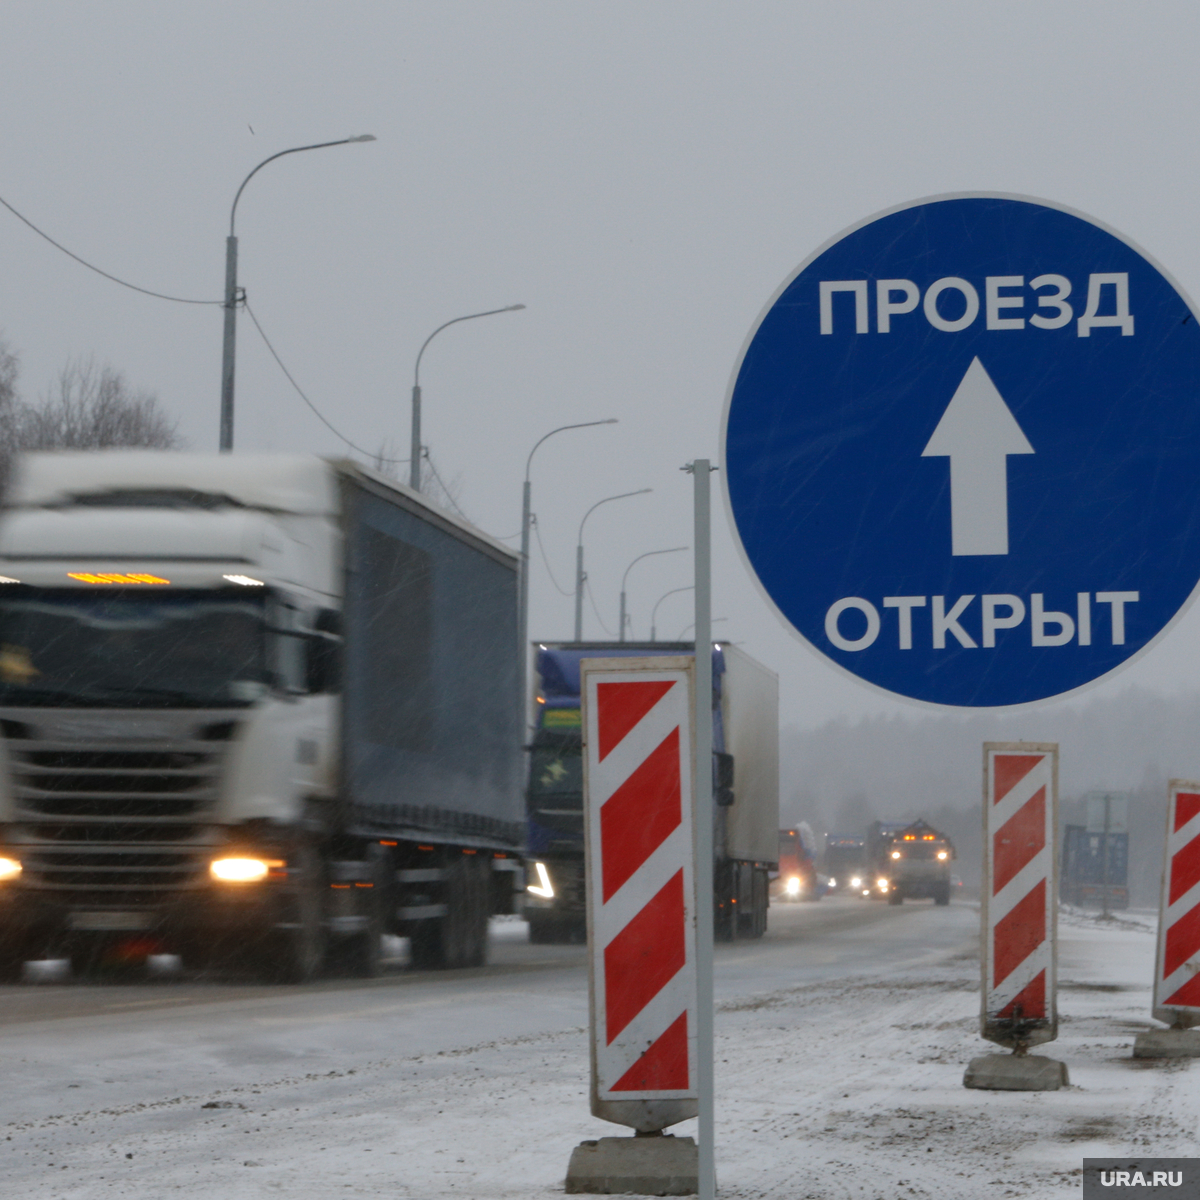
{"points": [[545, 558], [83, 262], [587, 587], [300, 392]]}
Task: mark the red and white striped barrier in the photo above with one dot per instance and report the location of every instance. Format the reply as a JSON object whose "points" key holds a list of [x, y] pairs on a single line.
{"points": [[1177, 965], [1020, 899], [641, 891]]}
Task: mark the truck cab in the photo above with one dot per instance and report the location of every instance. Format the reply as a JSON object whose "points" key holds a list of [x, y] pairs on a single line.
{"points": [[911, 862]]}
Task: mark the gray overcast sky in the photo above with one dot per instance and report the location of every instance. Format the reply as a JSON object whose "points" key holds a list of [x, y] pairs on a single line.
{"points": [[642, 176]]}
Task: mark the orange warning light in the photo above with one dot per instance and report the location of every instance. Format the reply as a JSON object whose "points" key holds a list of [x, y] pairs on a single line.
{"points": [[113, 577]]}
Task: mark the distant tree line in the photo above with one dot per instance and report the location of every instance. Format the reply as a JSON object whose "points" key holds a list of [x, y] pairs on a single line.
{"points": [[88, 407]]}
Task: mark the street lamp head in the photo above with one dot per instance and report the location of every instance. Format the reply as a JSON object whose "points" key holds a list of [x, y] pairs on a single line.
{"points": [[362, 137], [514, 308]]}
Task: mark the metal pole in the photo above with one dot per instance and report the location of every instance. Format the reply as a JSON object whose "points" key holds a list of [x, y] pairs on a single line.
{"points": [[523, 609], [579, 575], [648, 554], [579, 592], [523, 581], [414, 465], [704, 829], [1104, 851], [414, 462], [231, 296], [227, 348]]}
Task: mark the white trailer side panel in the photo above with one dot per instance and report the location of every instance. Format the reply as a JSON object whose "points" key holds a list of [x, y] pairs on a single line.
{"points": [[750, 711]]}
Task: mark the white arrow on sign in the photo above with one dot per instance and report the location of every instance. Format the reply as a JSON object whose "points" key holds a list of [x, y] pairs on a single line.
{"points": [[977, 432]]}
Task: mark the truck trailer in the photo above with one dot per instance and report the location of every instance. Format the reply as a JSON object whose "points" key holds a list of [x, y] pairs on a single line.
{"points": [[242, 715], [745, 708]]}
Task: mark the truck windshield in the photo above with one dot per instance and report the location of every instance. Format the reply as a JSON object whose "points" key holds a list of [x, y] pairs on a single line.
{"points": [[556, 771], [122, 648]]}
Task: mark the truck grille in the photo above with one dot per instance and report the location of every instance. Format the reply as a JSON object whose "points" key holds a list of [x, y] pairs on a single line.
{"points": [[126, 825]]}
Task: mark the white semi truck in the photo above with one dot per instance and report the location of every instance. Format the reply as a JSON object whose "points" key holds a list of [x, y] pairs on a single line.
{"points": [[254, 708]]}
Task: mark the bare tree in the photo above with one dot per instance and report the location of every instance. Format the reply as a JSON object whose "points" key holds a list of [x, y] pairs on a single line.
{"points": [[93, 408], [9, 369]]}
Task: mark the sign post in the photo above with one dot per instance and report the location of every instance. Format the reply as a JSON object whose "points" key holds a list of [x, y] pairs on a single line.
{"points": [[703, 721], [1018, 917], [1177, 962]]}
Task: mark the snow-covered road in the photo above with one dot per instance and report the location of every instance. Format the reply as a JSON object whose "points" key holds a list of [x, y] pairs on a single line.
{"points": [[841, 1042]]}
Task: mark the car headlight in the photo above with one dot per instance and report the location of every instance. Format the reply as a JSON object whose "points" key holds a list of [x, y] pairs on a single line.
{"points": [[832, 882], [543, 887], [10, 868], [792, 887], [243, 869], [881, 884], [856, 882]]}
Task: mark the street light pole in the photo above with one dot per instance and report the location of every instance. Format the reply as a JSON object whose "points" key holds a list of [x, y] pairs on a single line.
{"points": [[648, 554], [579, 575], [414, 466], [654, 613], [228, 348], [523, 578]]}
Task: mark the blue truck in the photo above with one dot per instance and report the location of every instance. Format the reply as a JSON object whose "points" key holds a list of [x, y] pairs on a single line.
{"points": [[745, 707]]}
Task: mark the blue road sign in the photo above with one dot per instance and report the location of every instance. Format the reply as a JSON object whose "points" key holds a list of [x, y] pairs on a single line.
{"points": [[962, 450]]}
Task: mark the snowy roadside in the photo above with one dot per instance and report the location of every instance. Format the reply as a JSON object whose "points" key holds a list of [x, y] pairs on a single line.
{"points": [[849, 1089]]}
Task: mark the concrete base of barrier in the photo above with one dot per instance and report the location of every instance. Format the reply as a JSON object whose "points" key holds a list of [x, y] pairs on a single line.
{"points": [[1167, 1043], [646, 1166], [1016, 1073]]}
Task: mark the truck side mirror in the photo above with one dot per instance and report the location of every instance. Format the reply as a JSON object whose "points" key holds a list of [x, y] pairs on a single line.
{"points": [[723, 771]]}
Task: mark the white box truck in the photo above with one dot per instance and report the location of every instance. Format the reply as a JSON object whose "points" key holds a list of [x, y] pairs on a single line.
{"points": [[257, 708]]}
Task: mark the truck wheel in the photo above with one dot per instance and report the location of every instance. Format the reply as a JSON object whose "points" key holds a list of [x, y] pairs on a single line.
{"points": [[942, 895], [296, 952], [762, 900], [752, 919], [459, 939], [12, 962], [895, 897]]}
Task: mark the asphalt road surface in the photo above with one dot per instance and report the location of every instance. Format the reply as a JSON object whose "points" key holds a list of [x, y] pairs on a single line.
{"points": [[113, 1042]]}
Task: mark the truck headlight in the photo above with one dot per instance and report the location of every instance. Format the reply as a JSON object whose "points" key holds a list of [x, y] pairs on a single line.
{"points": [[792, 887], [882, 884], [543, 887], [856, 881], [895, 853], [10, 868], [943, 855], [241, 869]]}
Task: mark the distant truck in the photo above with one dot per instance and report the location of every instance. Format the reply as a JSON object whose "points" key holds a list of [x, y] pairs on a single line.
{"points": [[798, 878], [909, 861], [845, 863], [1082, 878], [242, 719], [745, 707]]}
